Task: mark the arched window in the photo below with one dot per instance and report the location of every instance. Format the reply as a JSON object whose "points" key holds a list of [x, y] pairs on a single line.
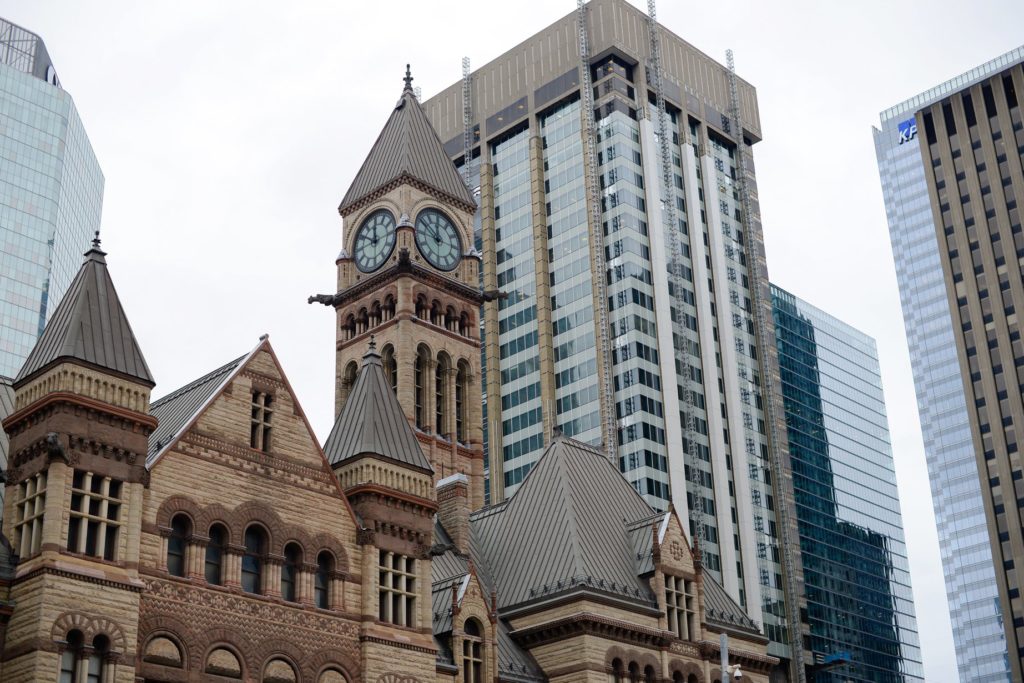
{"points": [[252, 560], [279, 671], [290, 571], [332, 676], [223, 662], [422, 363], [390, 367], [100, 648], [461, 389], [70, 657], [215, 555], [472, 653], [649, 674], [349, 381], [177, 545], [617, 672], [441, 395], [163, 651], [322, 582], [634, 671]]}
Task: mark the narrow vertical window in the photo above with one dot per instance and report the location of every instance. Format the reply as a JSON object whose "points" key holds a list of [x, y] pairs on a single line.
{"points": [[681, 607], [95, 518], [215, 555], [177, 544], [100, 648], [252, 560], [472, 653], [290, 571], [70, 657], [440, 375], [461, 387], [259, 429], [322, 582], [390, 367], [421, 387], [28, 510]]}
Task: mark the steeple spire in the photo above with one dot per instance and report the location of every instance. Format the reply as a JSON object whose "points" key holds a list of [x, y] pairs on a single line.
{"points": [[408, 79]]}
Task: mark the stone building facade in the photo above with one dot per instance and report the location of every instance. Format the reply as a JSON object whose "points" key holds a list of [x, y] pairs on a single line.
{"points": [[207, 536]]}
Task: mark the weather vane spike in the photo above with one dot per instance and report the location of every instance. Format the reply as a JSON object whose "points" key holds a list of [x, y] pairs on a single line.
{"points": [[96, 240], [408, 78]]}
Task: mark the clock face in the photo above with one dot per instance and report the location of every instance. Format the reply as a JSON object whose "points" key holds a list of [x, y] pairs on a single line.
{"points": [[438, 240], [375, 241]]}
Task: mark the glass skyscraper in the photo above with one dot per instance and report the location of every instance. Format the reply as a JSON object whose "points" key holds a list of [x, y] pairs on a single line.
{"points": [[971, 588], [856, 574], [51, 192], [671, 341]]}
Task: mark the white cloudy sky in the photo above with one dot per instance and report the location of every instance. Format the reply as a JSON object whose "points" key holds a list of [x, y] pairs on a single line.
{"points": [[228, 132]]}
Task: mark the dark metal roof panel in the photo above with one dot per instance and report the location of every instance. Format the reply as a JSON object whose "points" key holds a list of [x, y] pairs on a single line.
{"points": [[722, 611], [408, 146], [90, 325], [372, 422], [641, 535], [564, 530], [6, 408], [175, 410]]}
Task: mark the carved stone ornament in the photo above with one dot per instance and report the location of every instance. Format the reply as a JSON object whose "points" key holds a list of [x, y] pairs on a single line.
{"points": [[676, 549]]}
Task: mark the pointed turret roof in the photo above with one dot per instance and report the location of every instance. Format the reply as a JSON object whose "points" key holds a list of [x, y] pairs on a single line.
{"points": [[372, 422], [408, 149], [90, 326]]}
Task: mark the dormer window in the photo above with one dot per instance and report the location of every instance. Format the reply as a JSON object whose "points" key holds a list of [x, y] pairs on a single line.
{"points": [[259, 429], [681, 607]]}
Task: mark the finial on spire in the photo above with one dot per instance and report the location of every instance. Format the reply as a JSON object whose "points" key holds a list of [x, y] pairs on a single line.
{"points": [[96, 240], [408, 78]]}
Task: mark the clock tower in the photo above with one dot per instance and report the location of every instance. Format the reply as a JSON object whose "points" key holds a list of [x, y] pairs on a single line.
{"points": [[408, 279]]}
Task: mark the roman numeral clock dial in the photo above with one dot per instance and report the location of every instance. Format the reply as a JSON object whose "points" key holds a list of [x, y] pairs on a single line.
{"points": [[375, 241], [438, 240]]}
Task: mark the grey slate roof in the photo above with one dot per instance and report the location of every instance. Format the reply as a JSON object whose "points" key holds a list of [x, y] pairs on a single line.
{"points": [[722, 611], [372, 422], [175, 410], [567, 528], [6, 408], [90, 325], [408, 146]]}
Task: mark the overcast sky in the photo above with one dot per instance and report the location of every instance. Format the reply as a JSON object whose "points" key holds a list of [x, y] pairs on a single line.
{"points": [[229, 131]]}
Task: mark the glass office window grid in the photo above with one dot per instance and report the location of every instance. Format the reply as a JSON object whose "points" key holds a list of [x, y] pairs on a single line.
{"points": [[964, 545], [637, 378], [577, 395], [51, 192], [522, 423], [856, 573]]}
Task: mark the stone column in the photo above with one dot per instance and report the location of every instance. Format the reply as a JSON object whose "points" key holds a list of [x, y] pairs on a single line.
{"points": [[272, 576], [307, 583], [161, 562], [336, 591], [232, 567], [197, 558]]}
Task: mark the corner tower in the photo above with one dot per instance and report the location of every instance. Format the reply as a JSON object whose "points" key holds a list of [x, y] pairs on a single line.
{"points": [[78, 440], [408, 275]]}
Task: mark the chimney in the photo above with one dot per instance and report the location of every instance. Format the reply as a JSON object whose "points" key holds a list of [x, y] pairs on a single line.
{"points": [[453, 509]]}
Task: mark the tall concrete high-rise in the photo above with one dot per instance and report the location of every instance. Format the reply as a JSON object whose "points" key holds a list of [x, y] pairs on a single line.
{"points": [[853, 552], [623, 300], [944, 262], [51, 192]]}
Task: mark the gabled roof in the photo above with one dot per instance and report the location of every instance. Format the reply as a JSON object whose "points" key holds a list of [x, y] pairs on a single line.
{"points": [[90, 325], [408, 148], [176, 410], [722, 611], [372, 422], [566, 529]]}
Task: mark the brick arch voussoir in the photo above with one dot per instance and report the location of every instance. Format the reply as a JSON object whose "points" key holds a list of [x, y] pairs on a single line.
{"points": [[261, 513], [276, 648], [620, 653], [216, 514], [90, 628], [172, 506], [332, 658], [686, 669], [299, 536], [324, 541], [161, 625], [231, 639]]}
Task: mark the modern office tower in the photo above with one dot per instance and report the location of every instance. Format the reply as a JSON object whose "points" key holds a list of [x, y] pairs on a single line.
{"points": [[51, 192], [856, 575], [909, 165], [573, 232]]}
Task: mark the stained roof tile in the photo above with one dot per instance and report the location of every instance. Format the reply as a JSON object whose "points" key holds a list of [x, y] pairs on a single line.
{"points": [[408, 147], [90, 325]]}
